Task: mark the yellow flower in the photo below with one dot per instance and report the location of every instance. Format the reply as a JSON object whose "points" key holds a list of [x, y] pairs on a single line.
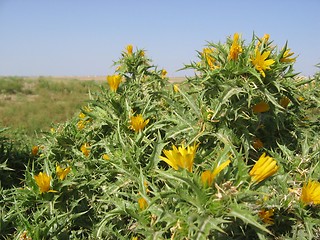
{"points": [[82, 115], [266, 216], [105, 157], [163, 73], [175, 88], [260, 62], [257, 143], [286, 57], [129, 49], [235, 48], [138, 123], [34, 150], [142, 203], [310, 193], [207, 176], [81, 124], [206, 53], [263, 168], [284, 102], [141, 53], [114, 82], [62, 173], [85, 149], [265, 37], [264, 40], [180, 157], [261, 107], [43, 182]]}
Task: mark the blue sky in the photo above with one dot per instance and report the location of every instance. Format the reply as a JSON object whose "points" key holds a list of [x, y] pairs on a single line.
{"points": [[78, 37]]}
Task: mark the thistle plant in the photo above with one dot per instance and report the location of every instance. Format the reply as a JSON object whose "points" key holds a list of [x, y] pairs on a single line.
{"points": [[228, 154], [247, 87]]}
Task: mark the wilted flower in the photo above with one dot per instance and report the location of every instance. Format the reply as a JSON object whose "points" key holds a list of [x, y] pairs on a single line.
{"points": [[62, 173], [260, 63], [138, 123], [129, 49], [85, 149], [180, 157], [284, 102], [266, 216], [114, 82], [261, 107], [24, 236], [43, 182], [235, 48], [286, 57], [142, 203], [311, 193], [207, 176], [257, 143], [263, 168], [35, 150]]}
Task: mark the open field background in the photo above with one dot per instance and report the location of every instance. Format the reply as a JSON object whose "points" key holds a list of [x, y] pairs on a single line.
{"points": [[30, 105]]}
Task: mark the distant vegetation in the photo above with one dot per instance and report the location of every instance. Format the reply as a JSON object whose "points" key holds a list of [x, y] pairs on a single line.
{"points": [[32, 105]]}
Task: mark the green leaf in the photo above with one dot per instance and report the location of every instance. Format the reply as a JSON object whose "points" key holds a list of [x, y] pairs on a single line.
{"points": [[246, 217]]}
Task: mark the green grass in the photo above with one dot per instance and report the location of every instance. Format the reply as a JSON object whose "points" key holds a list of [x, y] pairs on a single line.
{"points": [[33, 105]]}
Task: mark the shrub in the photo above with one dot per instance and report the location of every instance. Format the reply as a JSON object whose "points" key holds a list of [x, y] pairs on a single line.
{"points": [[229, 154]]}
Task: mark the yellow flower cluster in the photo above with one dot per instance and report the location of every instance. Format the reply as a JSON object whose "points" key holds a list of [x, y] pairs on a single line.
{"points": [[43, 180]]}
